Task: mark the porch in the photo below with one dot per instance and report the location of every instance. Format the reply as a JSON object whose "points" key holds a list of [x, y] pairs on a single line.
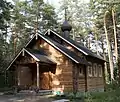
{"points": [[33, 69], [35, 75]]}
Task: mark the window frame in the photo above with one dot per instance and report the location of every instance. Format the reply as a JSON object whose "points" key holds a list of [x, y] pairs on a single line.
{"points": [[82, 72], [90, 69], [95, 71], [100, 70]]}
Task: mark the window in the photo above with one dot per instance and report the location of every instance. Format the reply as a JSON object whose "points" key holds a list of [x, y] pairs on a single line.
{"points": [[100, 70], [95, 69], [90, 69], [81, 71]]}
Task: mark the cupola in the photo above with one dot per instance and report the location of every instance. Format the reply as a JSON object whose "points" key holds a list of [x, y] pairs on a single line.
{"points": [[66, 27]]}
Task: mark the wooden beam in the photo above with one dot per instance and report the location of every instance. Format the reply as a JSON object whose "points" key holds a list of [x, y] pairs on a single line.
{"points": [[45, 64], [16, 74], [103, 74], [36, 36], [38, 75], [23, 53], [75, 73], [86, 86]]}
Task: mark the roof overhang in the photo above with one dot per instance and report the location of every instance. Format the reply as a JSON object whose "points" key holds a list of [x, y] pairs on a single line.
{"points": [[49, 30], [85, 53], [49, 42], [58, 48], [32, 55]]}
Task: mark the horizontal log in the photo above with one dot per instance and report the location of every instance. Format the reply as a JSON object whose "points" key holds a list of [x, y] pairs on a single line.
{"points": [[65, 66], [67, 72], [69, 81], [81, 80], [66, 86], [81, 85]]}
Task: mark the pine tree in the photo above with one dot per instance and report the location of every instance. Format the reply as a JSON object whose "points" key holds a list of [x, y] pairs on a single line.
{"points": [[4, 20]]}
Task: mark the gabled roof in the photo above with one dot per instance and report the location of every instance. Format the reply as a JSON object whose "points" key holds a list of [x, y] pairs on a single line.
{"points": [[75, 44], [37, 56], [64, 50], [41, 56]]}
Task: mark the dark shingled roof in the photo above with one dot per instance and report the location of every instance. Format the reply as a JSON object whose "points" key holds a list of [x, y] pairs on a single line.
{"points": [[41, 56], [37, 55], [89, 52], [76, 45], [67, 51]]}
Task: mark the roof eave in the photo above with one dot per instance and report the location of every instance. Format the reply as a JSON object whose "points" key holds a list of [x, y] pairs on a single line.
{"points": [[66, 41], [72, 44], [58, 48], [19, 55]]}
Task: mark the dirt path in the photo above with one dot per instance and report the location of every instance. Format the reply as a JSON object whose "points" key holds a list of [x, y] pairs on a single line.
{"points": [[22, 98]]}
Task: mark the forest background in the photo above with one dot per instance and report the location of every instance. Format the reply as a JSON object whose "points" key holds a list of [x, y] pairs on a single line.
{"points": [[95, 24]]}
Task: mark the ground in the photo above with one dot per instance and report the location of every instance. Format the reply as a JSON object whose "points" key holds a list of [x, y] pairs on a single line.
{"points": [[112, 94], [24, 98]]}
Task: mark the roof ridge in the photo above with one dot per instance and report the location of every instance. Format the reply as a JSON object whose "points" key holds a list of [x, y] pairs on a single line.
{"points": [[90, 53], [48, 40], [56, 47], [43, 37], [68, 41]]}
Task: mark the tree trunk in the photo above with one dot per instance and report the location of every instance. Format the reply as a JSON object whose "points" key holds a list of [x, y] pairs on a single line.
{"points": [[14, 39], [96, 41], [105, 64], [88, 44], [109, 48], [37, 14], [115, 35], [74, 34]]}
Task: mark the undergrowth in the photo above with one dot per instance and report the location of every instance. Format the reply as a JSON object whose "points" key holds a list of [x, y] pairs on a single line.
{"points": [[112, 94]]}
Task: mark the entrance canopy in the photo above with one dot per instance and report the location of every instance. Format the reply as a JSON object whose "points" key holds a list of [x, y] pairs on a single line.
{"points": [[38, 56]]}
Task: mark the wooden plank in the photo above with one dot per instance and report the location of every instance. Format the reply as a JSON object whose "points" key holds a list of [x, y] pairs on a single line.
{"points": [[38, 75], [95, 82]]}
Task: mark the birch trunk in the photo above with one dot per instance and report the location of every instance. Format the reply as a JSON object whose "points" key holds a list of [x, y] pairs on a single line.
{"points": [[96, 41], [115, 35], [109, 48], [105, 64]]}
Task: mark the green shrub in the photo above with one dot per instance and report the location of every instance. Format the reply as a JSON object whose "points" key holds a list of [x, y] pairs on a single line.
{"points": [[113, 86], [111, 95]]}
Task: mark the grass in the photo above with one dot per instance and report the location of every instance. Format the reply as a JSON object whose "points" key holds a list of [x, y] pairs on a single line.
{"points": [[111, 95]]}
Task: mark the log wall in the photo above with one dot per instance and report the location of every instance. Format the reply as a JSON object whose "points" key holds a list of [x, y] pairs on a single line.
{"points": [[81, 84], [81, 79], [91, 82], [63, 76], [95, 83]]}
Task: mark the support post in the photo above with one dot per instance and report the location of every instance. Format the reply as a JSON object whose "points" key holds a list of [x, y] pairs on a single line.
{"points": [[16, 75], [86, 86], [103, 74], [75, 73], [38, 74]]}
